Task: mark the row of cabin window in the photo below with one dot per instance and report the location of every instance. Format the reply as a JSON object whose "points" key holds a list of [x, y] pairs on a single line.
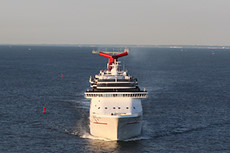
{"points": [[116, 95], [118, 107]]}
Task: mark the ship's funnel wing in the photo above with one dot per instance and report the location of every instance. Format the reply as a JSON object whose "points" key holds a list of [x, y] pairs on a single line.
{"points": [[105, 55], [120, 55], [112, 57]]}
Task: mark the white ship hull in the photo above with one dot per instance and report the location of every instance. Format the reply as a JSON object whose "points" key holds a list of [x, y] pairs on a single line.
{"points": [[115, 108], [117, 127]]}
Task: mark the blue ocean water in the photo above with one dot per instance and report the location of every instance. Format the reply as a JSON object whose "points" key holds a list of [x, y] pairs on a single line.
{"points": [[187, 109]]}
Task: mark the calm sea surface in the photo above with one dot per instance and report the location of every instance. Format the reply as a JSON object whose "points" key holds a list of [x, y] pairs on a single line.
{"points": [[188, 108]]}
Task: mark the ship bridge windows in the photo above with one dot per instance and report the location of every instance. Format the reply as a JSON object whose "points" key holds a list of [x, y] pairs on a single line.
{"points": [[136, 95], [116, 85]]}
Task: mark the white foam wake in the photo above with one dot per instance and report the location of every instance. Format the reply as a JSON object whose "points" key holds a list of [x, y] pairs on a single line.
{"points": [[86, 135], [138, 138], [89, 136]]}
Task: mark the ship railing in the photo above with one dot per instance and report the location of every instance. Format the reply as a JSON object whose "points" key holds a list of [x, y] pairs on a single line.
{"points": [[131, 95]]}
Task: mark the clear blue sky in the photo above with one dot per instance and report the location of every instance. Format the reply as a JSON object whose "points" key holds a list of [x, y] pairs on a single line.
{"points": [[144, 22]]}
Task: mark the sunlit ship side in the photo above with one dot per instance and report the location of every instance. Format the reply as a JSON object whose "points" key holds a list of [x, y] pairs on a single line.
{"points": [[115, 109]]}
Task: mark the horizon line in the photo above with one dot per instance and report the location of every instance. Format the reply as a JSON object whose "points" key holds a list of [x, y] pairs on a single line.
{"points": [[124, 45]]}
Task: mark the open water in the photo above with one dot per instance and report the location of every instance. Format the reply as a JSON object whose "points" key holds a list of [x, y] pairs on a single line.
{"points": [[188, 108]]}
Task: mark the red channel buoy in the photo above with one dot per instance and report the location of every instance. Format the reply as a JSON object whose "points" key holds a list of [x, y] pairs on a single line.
{"points": [[44, 110]]}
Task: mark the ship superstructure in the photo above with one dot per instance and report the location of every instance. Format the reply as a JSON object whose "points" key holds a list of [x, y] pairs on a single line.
{"points": [[115, 109]]}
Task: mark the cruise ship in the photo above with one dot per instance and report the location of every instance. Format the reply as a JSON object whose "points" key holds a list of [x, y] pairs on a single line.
{"points": [[115, 108]]}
